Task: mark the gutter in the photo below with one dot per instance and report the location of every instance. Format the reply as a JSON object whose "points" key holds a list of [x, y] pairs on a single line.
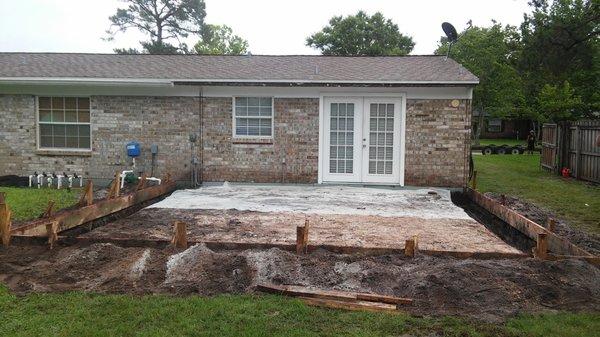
{"points": [[226, 82]]}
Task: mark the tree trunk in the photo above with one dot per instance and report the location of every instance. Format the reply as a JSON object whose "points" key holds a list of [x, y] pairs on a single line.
{"points": [[478, 129]]}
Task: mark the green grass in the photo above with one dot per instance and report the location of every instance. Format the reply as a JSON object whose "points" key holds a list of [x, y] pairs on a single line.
{"points": [[521, 176], [29, 203], [508, 141], [80, 314]]}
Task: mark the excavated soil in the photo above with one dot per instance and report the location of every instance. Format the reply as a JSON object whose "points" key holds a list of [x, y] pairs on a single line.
{"points": [[587, 241], [489, 290], [342, 230]]}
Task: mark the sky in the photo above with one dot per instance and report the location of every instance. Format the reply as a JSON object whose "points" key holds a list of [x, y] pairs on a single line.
{"points": [[270, 26]]}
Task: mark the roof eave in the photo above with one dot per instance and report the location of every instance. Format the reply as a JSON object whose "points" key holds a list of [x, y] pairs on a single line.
{"points": [[225, 82]]}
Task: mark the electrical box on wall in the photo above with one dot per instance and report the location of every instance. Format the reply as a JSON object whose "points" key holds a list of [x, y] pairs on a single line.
{"points": [[154, 149], [133, 149]]}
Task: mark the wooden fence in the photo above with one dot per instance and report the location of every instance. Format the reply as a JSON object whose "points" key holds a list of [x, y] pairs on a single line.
{"points": [[572, 145]]}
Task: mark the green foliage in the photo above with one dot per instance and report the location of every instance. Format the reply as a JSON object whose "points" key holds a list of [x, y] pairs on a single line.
{"points": [[361, 35], [560, 43], [219, 39], [162, 21], [558, 102], [488, 53], [81, 314], [564, 324], [521, 176], [29, 203]]}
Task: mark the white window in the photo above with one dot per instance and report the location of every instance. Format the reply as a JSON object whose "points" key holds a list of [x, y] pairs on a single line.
{"points": [[253, 117], [64, 123], [494, 125]]}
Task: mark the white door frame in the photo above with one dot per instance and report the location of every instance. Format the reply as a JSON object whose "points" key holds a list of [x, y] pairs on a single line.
{"points": [[322, 130]]}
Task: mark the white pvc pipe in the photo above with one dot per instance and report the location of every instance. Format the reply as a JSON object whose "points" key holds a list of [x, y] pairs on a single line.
{"points": [[154, 179], [123, 174]]}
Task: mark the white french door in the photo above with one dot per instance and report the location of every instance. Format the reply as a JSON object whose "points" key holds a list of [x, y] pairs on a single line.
{"points": [[362, 139]]}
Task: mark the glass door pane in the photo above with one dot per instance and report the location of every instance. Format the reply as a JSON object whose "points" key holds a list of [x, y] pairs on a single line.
{"points": [[381, 138], [341, 138]]}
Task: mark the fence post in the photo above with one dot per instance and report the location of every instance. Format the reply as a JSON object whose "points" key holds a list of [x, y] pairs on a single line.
{"points": [[577, 150]]}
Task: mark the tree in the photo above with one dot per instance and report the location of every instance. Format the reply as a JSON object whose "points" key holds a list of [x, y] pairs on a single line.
{"points": [[558, 102], [489, 54], [162, 20], [561, 43], [361, 34], [219, 39]]}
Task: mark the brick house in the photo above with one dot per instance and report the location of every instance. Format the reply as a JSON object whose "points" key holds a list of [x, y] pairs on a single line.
{"points": [[293, 119]]}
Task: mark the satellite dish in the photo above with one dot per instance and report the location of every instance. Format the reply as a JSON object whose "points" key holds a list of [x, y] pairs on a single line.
{"points": [[450, 32]]}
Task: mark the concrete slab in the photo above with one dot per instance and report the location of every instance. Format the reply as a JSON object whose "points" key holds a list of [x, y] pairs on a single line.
{"points": [[431, 203], [339, 216]]}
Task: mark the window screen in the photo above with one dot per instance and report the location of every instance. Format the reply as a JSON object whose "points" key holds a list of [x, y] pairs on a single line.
{"points": [[494, 125], [253, 117], [64, 122]]}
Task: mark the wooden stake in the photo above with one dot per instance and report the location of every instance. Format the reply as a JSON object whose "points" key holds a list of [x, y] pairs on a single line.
{"points": [[87, 198], [410, 247], [541, 250], [503, 199], [113, 192], [5, 222], [552, 224], [49, 210], [302, 238], [180, 236], [141, 182], [51, 232], [474, 180]]}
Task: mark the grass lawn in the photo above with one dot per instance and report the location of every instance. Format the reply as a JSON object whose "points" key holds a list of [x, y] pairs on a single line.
{"points": [[29, 203], [510, 141], [80, 314], [521, 176]]}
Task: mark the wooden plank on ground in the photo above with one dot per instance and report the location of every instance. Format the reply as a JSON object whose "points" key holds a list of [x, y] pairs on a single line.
{"points": [[354, 306], [531, 229], [299, 291], [73, 218]]}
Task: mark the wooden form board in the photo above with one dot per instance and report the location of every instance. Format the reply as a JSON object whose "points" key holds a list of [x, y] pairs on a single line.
{"points": [[68, 219], [338, 299], [227, 245], [555, 243]]}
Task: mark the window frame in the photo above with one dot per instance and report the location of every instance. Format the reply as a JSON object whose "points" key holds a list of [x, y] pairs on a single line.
{"points": [[234, 117], [38, 122], [498, 125]]}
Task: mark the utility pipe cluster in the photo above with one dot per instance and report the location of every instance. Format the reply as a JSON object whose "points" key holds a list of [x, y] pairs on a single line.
{"points": [[53, 179]]}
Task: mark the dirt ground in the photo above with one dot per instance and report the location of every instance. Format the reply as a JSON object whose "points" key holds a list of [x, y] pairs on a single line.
{"points": [[488, 290], [587, 241], [344, 230]]}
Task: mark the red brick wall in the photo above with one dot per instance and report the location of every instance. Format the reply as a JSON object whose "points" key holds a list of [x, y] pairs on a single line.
{"points": [[437, 143], [291, 156]]}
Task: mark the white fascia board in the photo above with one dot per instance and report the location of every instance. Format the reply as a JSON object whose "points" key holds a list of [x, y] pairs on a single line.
{"points": [[84, 81]]}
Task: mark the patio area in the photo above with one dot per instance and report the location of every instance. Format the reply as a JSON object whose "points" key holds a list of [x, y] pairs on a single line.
{"points": [[340, 216]]}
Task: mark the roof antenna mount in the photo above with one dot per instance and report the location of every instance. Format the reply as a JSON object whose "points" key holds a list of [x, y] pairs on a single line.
{"points": [[451, 34]]}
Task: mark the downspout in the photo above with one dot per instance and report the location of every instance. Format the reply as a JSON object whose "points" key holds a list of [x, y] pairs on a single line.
{"points": [[201, 133]]}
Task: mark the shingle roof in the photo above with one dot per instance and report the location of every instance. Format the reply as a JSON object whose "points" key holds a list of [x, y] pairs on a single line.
{"points": [[259, 68]]}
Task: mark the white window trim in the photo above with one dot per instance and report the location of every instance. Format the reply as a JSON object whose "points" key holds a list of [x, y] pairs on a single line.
{"points": [[233, 117], [60, 149]]}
